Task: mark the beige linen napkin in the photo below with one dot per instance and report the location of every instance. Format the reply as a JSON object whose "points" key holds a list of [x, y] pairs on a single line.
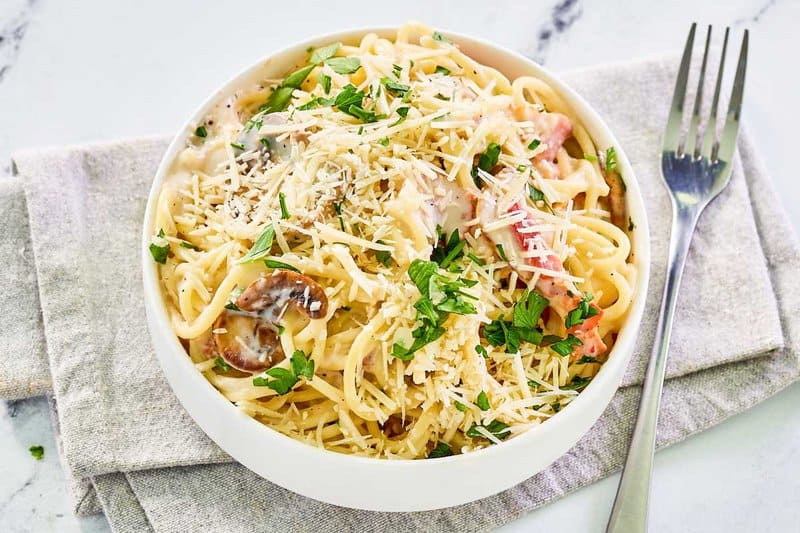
{"points": [[116, 413]]}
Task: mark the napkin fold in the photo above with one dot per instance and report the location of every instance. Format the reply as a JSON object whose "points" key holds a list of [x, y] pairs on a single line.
{"points": [[131, 447]]}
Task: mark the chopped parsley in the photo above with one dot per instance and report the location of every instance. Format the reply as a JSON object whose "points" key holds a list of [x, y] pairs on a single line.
{"points": [[495, 427], [480, 350], [283, 379], [441, 450], [271, 263], [239, 146], [447, 250], [201, 132], [324, 53], [442, 70], [522, 327], [261, 247], [460, 406], [186, 244], [279, 98], [337, 206], [384, 141], [382, 256], [231, 305], [482, 401], [325, 82], [577, 383], [344, 65], [315, 102], [535, 194], [583, 311], [441, 38], [486, 162], [586, 359], [37, 452], [440, 296], [611, 159], [475, 259], [403, 112], [563, 347], [160, 252], [534, 144], [296, 78], [350, 101], [282, 202], [397, 70], [220, 363], [501, 252], [395, 88], [590, 157]]}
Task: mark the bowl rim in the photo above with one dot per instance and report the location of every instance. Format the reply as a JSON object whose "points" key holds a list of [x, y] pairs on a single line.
{"points": [[160, 325]]}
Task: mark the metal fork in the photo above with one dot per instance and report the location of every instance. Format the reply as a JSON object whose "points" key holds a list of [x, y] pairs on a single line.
{"points": [[695, 171]]}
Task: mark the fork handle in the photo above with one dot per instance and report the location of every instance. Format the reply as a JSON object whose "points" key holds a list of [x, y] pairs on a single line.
{"points": [[629, 513]]}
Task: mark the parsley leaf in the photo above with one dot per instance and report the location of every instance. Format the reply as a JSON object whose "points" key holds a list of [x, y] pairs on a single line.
{"points": [[220, 363], [475, 259], [577, 383], [395, 88], [442, 70], [611, 159], [282, 202], [397, 70], [486, 162], [481, 351], [271, 263], [296, 78], [577, 316], [448, 250], [495, 427], [483, 402], [301, 366], [501, 252], [535, 194], [420, 273], [186, 244], [383, 257], [325, 81], [587, 359], [324, 52], [441, 450], [159, 253], [460, 406], [528, 309], [283, 382], [384, 141], [534, 144], [563, 347], [441, 38], [201, 132], [314, 103], [261, 247], [344, 65], [37, 452]]}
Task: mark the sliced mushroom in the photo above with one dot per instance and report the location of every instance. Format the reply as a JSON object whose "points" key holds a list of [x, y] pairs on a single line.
{"points": [[248, 339]]}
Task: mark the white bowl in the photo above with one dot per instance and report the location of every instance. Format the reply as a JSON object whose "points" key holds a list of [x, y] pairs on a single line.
{"points": [[377, 484]]}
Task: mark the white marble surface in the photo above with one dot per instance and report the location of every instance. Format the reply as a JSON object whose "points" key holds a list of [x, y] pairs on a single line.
{"points": [[81, 70]]}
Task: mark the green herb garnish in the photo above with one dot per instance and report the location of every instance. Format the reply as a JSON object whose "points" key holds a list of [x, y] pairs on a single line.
{"points": [[220, 363], [460, 406], [481, 351], [486, 162], [261, 247], [384, 141], [272, 263], [482, 401], [611, 159], [577, 383], [285, 379], [495, 427], [441, 38], [395, 88], [37, 452], [442, 70], [201, 132], [563, 347], [441, 450], [382, 256], [325, 82], [186, 244], [344, 65], [501, 252], [535, 194], [159, 253], [323, 53], [282, 202], [582, 312]]}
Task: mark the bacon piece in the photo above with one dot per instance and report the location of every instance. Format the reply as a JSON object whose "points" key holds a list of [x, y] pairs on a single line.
{"points": [[552, 129], [522, 237]]}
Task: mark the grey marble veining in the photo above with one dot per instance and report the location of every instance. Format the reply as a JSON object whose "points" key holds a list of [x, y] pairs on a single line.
{"points": [[81, 70]]}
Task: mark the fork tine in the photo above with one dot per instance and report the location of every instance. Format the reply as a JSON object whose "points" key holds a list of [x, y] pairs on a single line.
{"points": [[672, 133], [691, 139], [711, 124], [727, 143]]}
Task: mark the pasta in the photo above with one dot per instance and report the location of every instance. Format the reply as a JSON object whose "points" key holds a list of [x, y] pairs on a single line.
{"points": [[395, 251]]}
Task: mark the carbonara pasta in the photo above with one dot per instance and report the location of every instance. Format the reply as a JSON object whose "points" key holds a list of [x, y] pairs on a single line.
{"points": [[395, 251]]}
